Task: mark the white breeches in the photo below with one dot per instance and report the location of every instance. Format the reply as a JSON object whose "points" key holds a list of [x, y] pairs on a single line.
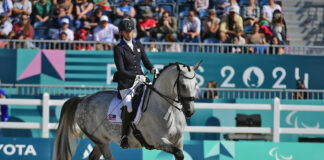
{"points": [[127, 96]]}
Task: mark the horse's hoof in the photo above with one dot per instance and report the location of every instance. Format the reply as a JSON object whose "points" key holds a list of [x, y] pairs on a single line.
{"points": [[124, 142], [179, 155]]}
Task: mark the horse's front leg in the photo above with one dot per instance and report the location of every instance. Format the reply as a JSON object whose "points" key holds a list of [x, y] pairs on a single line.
{"points": [[166, 146]]}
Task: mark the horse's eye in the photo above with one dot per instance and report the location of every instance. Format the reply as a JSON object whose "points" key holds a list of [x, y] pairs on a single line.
{"points": [[183, 86]]}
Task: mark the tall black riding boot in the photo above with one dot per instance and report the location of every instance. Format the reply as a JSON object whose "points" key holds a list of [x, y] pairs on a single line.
{"points": [[126, 119]]}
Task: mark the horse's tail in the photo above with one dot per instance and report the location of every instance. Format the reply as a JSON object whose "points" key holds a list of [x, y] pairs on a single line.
{"points": [[65, 142]]}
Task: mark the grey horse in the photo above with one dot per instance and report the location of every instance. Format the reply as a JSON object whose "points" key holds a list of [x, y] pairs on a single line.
{"points": [[170, 101]]}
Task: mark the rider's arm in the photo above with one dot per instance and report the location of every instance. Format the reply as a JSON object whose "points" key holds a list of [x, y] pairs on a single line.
{"points": [[118, 58]]}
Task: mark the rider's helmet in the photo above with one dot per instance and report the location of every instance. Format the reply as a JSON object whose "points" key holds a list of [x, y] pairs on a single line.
{"points": [[126, 25]]}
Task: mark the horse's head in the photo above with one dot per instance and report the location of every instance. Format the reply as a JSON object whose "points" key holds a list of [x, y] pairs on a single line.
{"points": [[187, 88]]}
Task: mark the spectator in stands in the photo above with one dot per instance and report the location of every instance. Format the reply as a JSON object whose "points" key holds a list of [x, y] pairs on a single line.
{"points": [[60, 14], [220, 6], [300, 86], [94, 19], [240, 34], [211, 25], [83, 11], [278, 26], [231, 4], [250, 14], [43, 10], [148, 26], [4, 108], [166, 25], [67, 5], [275, 49], [121, 10], [267, 11], [201, 7], [25, 27], [22, 7], [152, 47], [141, 8], [82, 36], [64, 28], [256, 37], [174, 47], [105, 33], [63, 44], [102, 5], [211, 93], [6, 6], [231, 21], [5, 25], [191, 28], [236, 49]]}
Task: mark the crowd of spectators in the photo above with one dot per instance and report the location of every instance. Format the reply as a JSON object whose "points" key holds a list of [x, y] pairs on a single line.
{"points": [[210, 21]]}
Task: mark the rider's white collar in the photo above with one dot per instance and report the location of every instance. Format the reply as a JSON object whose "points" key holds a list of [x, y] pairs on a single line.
{"points": [[129, 43]]}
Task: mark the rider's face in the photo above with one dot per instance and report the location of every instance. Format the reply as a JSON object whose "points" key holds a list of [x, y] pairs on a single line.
{"points": [[128, 35]]}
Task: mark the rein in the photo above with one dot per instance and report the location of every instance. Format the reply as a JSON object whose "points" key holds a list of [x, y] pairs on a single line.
{"points": [[180, 99]]}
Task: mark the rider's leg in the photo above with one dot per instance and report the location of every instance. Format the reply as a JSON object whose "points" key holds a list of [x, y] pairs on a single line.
{"points": [[127, 101]]}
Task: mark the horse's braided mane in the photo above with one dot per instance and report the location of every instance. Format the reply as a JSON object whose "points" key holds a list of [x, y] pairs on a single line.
{"points": [[170, 64]]}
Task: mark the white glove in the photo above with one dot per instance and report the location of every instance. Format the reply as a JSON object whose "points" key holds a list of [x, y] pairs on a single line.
{"points": [[141, 78], [155, 71]]}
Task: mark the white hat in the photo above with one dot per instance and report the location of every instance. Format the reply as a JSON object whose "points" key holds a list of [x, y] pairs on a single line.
{"points": [[65, 20], [103, 18], [234, 9]]}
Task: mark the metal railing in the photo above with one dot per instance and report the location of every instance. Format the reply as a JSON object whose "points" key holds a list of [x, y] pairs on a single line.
{"points": [[163, 47], [204, 93], [275, 130]]}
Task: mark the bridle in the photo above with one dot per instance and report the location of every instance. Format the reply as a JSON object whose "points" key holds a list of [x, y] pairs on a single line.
{"points": [[180, 99]]}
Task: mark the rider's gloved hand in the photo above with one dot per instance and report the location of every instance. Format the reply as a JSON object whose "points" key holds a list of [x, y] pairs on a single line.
{"points": [[141, 78], [155, 71]]}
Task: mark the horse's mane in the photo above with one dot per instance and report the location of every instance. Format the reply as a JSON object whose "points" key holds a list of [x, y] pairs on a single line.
{"points": [[169, 65]]}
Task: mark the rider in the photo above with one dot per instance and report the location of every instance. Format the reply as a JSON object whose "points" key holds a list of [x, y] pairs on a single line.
{"points": [[127, 56]]}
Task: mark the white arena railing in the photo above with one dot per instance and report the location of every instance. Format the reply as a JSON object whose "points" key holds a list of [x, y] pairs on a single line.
{"points": [[275, 131], [223, 93], [161, 46]]}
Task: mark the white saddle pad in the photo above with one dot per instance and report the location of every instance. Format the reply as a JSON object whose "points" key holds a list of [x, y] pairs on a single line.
{"points": [[114, 111]]}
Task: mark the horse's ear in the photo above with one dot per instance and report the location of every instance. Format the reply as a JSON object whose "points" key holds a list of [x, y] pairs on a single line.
{"points": [[195, 67]]}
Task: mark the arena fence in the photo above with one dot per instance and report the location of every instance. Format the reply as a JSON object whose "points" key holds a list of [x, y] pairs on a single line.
{"points": [[222, 93], [162, 46], [275, 131]]}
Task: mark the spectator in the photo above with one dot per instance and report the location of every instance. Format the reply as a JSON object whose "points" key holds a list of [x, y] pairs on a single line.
{"points": [[64, 28], [105, 33], [22, 7], [166, 25], [152, 47], [251, 13], [5, 25], [67, 5], [43, 10], [6, 6], [4, 108], [278, 26], [148, 26], [125, 8], [275, 49], [236, 49], [82, 36], [211, 93], [201, 7], [63, 44], [140, 9], [220, 6], [102, 5], [60, 14], [231, 21], [231, 4], [211, 25], [300, 86], [174, 47], [94, 20], [256, 37], [240, 34], [25, 27], [191, 28], [267, 11], [83, 11]]}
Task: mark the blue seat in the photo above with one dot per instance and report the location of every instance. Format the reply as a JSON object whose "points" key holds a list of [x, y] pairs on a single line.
{"points": [[182, 1], [145, 39], [263, 2], [164, 1], [244, 2], [167, 7], [183, 10]]}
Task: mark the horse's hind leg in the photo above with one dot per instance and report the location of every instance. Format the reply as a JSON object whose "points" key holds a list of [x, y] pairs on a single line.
{"points": [[167, 146], [95, 154], [106, 151]]}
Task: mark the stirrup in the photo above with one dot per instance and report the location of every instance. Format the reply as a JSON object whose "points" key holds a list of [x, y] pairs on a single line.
{"points": [[124, 142]]}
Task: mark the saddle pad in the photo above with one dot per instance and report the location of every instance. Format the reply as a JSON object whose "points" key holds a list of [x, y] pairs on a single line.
{"points": [[114, 111]]}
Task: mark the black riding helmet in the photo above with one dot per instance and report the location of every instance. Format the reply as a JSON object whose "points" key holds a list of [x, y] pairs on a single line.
{"points": [[126, 25]]}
